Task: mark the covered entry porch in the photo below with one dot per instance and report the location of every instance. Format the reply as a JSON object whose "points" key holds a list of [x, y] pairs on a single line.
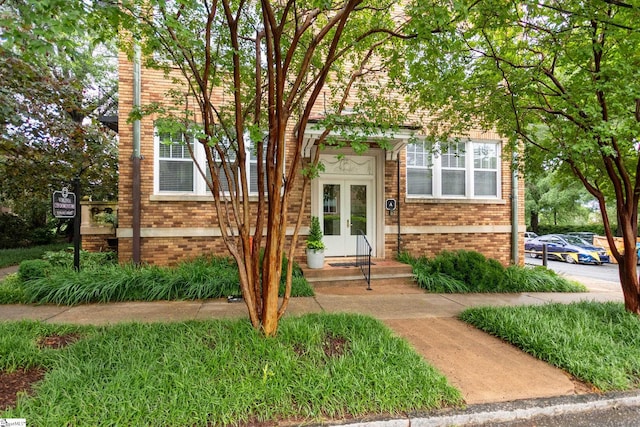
{"points": [[348, 197]]}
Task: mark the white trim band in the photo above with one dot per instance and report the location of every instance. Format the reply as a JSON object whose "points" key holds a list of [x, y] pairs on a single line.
{"points": [[448, 229]]}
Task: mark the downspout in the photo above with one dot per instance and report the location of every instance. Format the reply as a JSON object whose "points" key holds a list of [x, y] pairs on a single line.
{"points": [[136, 157], [398, 203], [514, 208]]}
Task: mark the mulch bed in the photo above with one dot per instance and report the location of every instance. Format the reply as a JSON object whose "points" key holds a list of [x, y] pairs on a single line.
{"points": [[15, 382], [22, 380]]}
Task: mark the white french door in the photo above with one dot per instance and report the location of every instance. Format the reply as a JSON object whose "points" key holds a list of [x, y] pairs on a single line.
{"points": [[346, 208]]}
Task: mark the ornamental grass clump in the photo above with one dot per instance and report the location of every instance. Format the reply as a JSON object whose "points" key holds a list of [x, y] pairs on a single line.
{"points": [[101, 280], [468, 271]]}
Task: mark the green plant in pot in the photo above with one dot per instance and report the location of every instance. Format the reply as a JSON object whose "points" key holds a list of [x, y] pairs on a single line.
{"points": [[315, 245]]}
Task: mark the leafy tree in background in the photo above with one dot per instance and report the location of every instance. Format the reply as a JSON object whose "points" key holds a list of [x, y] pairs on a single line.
{"points": [[569, 69], [57, 63], [551, 200], [273, 61]]}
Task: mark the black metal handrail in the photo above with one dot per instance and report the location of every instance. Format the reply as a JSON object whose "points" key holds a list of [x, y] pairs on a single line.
{"points": [[363, 257]]}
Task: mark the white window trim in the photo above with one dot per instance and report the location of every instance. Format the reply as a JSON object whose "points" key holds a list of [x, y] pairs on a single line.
{"points": [[200, 186], [156, 169], [436, 162]]}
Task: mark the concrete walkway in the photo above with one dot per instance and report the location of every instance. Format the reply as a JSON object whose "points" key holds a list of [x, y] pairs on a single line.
{"points": [[4, 272], [484, 368]]}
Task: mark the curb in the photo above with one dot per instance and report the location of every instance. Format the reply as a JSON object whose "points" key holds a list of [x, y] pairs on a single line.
{"points": [[520, 410]]}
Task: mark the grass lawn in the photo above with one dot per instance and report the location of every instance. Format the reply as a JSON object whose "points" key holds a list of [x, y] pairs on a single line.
{"points": [[9, 257], [598, 343], [220, 372]]}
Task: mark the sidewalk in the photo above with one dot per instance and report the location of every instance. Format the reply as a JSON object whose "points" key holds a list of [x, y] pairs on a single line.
{"points": [[484, 368], [4, 272]]}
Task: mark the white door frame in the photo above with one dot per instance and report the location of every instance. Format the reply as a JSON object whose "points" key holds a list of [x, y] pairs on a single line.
{"points": [[344, 243], [344, 165]]}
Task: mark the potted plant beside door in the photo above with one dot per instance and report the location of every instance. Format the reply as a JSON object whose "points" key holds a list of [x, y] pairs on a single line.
{"points": [[315, 245]]}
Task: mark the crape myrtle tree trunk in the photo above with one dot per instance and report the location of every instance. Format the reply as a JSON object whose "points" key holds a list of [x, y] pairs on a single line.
{"points": [[247, 75], [561, 77]]}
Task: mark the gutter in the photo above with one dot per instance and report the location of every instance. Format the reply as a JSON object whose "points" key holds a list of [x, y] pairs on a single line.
{"points": [[514, 209], [136, 157], [398, 203]]}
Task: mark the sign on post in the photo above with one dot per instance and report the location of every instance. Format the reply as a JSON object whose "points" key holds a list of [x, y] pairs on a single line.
{"points": [[64, 204]]}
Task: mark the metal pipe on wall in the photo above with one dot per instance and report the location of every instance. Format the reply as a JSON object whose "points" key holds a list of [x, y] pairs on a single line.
{"points": [[514, 208], [136, 157], [398, 203]]}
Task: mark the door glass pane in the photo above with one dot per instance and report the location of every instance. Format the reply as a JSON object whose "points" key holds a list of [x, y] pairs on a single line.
{"points": [[358, 209], [331, 209]]}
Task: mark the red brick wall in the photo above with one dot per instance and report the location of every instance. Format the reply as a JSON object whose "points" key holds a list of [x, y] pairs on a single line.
{"points": [[198, 214], [96, 242]]}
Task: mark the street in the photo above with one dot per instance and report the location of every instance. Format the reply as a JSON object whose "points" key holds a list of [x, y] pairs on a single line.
{"points": [[618, 416], [606, 272]]}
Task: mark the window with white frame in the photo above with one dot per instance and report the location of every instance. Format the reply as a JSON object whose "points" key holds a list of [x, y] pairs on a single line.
{"points": [[485, 169], [455, 169], [175, 165], [419, 169], [177, 173]]}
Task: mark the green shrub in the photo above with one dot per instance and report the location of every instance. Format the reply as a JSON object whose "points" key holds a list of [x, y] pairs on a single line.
{"points": [[314, 239], [468, 271], [472, 268], [14, 256], [11, 290], [42, 236], [33, 269], [64, 258], [14, 232]]}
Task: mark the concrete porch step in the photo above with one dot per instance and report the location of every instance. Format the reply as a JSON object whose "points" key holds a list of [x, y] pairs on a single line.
{"points": [[395, 286], [335, 270]]}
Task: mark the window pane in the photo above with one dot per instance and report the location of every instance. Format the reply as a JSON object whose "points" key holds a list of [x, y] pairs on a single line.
{"points": [[253, 177], [419, 154], [176, 175], [419, 172], [453, 156], [224, 183], [358, 209], [420, 182], [176, 151], [165, 150], [453, 182], [411, 158], [485, 156], [331, 209], [485, 183]]}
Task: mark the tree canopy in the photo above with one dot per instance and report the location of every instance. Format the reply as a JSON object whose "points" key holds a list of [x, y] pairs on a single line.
{"points": [[57, 64], [561, 77]]}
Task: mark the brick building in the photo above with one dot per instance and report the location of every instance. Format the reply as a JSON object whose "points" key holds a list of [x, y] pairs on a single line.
{"points": [[460, 198]]}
